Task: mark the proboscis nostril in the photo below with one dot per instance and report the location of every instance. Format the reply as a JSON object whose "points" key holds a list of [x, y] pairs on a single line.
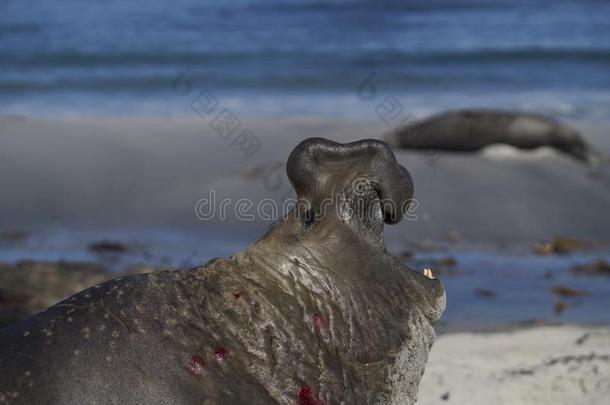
{"points": [[372, 160], [361, 186]]}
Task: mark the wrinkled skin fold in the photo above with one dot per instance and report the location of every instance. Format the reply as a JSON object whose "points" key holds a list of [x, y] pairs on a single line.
{"points": [[315, 312]]}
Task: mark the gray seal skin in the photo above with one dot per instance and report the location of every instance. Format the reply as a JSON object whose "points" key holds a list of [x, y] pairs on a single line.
{"points": [[472, 130], [314, 312]]}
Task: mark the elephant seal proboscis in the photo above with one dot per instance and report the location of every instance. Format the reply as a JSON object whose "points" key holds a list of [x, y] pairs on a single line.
{"points": [[472, 130], [314, 312]]}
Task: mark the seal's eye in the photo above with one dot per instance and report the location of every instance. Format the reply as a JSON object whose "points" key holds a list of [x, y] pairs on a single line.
{"points": [[309, 217]]}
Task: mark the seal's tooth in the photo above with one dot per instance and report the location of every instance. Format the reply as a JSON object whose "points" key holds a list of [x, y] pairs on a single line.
{"points": [[428, 273]]}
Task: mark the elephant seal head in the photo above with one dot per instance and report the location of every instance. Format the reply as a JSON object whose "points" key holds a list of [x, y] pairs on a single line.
{"points": [[366, 317]]}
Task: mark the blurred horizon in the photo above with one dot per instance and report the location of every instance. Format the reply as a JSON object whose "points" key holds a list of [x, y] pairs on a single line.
{"points": [[304, 57]]}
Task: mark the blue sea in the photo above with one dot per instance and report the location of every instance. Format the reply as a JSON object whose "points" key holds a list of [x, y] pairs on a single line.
{"points": [[303, 57]]}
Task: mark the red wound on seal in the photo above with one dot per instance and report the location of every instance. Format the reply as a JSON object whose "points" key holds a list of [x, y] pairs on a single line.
{"points": [[308, 397], [195, 366], [238, 294], [317, 323], [219, 355]]}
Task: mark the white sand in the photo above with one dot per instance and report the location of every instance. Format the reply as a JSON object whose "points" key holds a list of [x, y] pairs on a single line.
{"points": [[545, 365]]}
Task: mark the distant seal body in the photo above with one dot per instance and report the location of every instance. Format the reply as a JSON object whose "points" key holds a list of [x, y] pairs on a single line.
{"points": [[472, 130], [314, 312]]}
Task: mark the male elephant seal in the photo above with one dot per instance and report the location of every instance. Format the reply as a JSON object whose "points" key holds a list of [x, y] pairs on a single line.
{"points": [[315, 312], [472, 130]]}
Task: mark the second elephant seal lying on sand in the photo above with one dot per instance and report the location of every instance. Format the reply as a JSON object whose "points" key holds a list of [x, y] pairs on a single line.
{"points": [[472, 130], [315, 312]]}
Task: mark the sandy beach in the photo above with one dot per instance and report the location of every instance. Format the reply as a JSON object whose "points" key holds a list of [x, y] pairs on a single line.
{"points": [[544, 365]]}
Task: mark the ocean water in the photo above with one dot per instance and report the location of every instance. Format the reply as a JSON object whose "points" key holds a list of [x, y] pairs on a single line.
{"points": [[304, 57]]}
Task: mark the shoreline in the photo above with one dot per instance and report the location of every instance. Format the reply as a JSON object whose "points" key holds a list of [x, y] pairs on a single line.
{"points": [[486, 292], [23, 292], [353, 100]]}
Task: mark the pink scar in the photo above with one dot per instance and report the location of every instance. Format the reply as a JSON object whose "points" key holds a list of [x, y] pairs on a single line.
{"points": [[195, 366], [219, 355], [317, 324], [307, 396]]}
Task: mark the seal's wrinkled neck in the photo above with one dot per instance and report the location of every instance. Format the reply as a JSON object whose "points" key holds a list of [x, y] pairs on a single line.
{"points": [[335, 233]]}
